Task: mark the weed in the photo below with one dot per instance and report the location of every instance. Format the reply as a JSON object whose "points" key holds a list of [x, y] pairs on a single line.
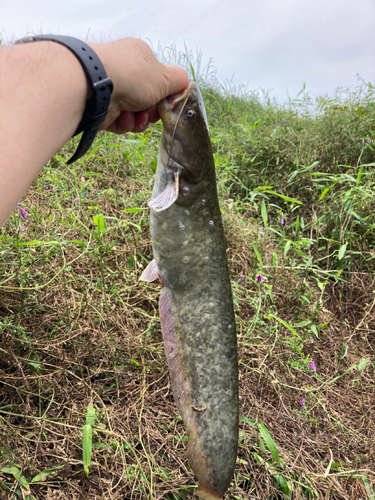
{"points": [[78, 330]]}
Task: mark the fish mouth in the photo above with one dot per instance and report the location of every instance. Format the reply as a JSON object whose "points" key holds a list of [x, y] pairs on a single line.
{"points": [[170, 110], [170, 103], [173, 100]]}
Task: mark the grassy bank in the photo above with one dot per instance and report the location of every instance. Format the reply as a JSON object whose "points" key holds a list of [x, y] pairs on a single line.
{"points": [[79, 331]]}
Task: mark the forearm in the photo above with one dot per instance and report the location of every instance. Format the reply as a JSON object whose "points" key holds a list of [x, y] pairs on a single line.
{"points": [[42, 98], [43, 92]]}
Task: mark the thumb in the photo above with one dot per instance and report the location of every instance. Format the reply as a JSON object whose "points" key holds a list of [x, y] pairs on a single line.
{"points": [[176, 80]]}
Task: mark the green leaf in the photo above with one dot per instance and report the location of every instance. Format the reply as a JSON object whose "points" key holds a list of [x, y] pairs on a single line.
{"points": [[257, 457], [271, 445], [314, 330], [324, 192], [87, 447], [287, 247], [185, 439], [79, 242], [99, 222], [342, 251], [6, 470], [297, 226], [263, 211], [15, 471], [33, 365], [257, 253], [337, 464], [192, 72], [42, 475], [284, 323], [40, 243], [133, 210], [90, 415], [359, 175], [285, 198], [262, 446], [262, 188], [363, 364], [247, 420], [302, 323], [284, 485]]}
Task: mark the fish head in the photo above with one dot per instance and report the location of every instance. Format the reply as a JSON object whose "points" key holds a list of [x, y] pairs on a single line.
{"points": [[185, 132]]}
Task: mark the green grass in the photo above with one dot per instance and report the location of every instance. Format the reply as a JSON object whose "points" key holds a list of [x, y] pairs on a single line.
{"points": [[81, 334]]}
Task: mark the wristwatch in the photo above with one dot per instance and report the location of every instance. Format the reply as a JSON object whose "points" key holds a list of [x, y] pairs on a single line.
{"points": [[101, 88]]}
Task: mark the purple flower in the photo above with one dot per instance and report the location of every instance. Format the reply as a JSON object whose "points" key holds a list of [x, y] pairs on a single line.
{"points": [[357, 141], [282, 221], [302, 402], [76, 200], [23, 213], [313, 366], [46, 187], [363, 142], [260, 279], [17, 206], [84, 181], [102, 131], [368, 141], [20, 228], [242, 277]]}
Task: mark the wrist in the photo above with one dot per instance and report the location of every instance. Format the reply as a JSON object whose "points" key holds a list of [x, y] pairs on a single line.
{"points": [[100, 85], [49, 65], [105, 54]]}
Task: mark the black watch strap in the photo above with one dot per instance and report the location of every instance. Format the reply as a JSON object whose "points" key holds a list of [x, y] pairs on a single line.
{"points": [[100, 85]]}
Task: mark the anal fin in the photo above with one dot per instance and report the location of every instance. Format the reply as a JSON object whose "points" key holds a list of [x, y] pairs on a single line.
{"points": [[150, 273], [167, 197]]}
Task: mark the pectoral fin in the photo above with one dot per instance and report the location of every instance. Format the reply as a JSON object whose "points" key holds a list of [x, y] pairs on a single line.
{"points": [[167, 197], [150, 273]]}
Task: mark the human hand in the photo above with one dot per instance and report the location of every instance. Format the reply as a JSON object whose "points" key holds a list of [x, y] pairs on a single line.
{"points": [[140, 81]]}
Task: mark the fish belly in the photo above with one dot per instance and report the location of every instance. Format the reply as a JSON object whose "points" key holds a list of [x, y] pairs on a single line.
{"points": [[197, 317]]}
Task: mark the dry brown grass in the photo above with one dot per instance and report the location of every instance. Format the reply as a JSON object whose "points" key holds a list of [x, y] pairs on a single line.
{"points": [[94, 337]]}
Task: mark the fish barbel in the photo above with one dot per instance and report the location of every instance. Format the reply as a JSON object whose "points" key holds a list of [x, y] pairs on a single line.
{"points": [[196, 306]]}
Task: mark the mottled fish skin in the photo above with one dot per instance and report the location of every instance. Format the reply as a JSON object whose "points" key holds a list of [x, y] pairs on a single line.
{"points": [[196, 306]]}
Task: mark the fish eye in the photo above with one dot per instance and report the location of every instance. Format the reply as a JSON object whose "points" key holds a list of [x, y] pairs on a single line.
{"points": [[190, 113]]}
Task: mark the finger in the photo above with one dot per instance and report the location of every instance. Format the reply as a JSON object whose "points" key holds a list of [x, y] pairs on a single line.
{"points": [[176, 79], [123, 124], [141, 121], [152, 110], [153, 114], [154, 118]]}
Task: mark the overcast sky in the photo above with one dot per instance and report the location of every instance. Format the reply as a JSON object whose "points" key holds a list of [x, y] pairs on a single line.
{"points": [[269, 44]]}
